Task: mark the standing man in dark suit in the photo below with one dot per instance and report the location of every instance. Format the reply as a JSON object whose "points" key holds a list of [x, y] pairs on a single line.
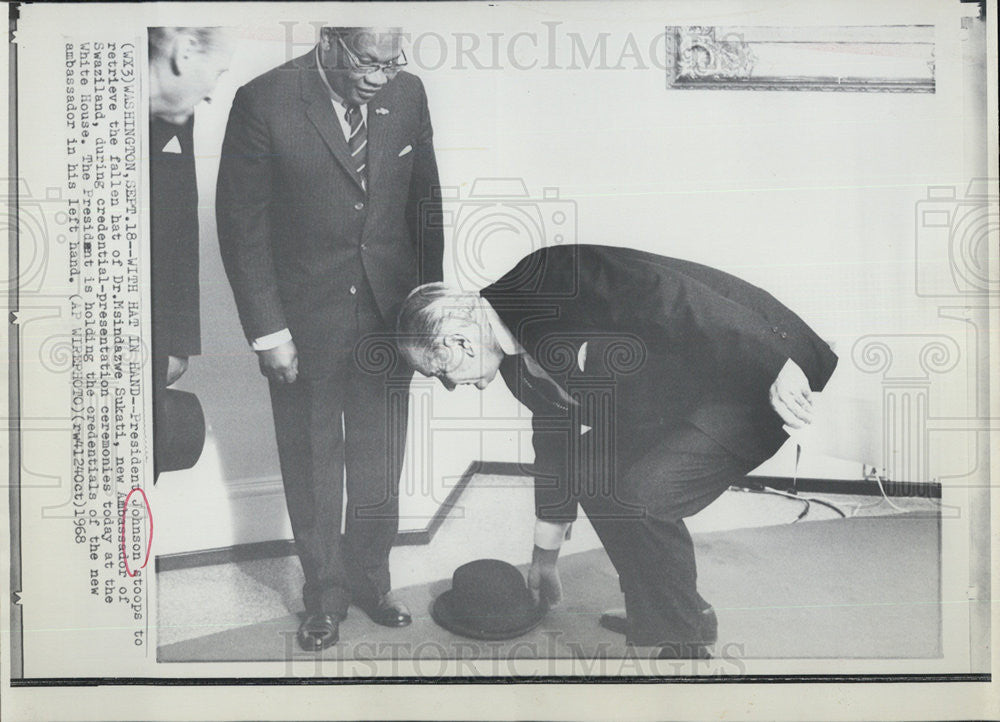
{"points": [[184, 66], [654, 383], [326, 182]]}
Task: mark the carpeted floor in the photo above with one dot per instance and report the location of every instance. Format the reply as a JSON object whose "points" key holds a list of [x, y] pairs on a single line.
{"points": [[847, 588]]}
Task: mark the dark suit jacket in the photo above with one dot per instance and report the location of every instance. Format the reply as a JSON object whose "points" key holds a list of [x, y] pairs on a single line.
{"points": [[174, 239], [297, 230], [674, 341]]}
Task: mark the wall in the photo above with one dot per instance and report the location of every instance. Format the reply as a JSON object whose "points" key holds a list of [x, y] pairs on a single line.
{"points": [[811, 195]]}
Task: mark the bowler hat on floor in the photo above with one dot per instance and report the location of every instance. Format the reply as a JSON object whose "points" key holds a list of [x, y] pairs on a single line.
{"points": [[179, 434], [488, 599]]}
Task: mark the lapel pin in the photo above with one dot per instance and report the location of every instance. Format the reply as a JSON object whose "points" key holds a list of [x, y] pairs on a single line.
{"points": [[381, 111]]}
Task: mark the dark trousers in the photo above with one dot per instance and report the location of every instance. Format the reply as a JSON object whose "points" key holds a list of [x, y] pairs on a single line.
{"points": [[339, 417], [660, 476]]}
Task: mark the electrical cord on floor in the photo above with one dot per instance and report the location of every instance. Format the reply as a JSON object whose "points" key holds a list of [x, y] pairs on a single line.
{"points": [[829, 505], [785, 494], [808, 501], [881, 488], [873, 475]]}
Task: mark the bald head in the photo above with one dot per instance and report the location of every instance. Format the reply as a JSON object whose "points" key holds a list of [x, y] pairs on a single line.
{"points": [[184, 67]]}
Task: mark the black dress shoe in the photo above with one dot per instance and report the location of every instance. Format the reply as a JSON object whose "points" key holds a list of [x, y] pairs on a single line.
{"points": [[709, 626], [615, 620], [317, 632], [387, 612]]}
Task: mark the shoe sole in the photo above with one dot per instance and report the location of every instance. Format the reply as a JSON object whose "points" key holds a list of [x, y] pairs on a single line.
{"points": [[619, 625]]}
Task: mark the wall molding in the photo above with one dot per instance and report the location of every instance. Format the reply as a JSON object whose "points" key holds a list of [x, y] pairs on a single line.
{"points": [[855, 58], [286, 547], [255, 486]]}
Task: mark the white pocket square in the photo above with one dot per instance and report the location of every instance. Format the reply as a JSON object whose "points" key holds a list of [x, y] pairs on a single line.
{"points": [[172, 146], [405, 150]]}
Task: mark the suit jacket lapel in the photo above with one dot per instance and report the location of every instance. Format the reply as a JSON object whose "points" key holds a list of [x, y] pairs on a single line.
{"points": [[321, 114]]}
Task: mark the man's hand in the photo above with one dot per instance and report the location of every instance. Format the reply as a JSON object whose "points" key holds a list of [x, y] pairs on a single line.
{"points": [[176, 366], [790, 396], [543, 578], [281, 363]]}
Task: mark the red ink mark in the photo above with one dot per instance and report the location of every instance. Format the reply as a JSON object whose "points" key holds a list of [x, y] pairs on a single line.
{"points": [[149, 536]]}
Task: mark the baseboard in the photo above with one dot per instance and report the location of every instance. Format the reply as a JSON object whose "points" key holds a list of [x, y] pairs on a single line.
{"points": [[859, 487], [286, 547], [415, 537]]}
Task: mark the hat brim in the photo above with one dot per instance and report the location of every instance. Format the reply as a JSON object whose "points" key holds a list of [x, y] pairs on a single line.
{"points": [[179, 432], [443, 613]]}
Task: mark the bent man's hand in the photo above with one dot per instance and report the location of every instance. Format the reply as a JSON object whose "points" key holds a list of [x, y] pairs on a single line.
{"points": [[790, 396], [176, 366], [281, 363], [543, 577]]}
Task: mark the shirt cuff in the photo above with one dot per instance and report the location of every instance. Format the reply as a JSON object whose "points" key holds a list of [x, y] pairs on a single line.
{"points": [[549, 535], [272, 340]]}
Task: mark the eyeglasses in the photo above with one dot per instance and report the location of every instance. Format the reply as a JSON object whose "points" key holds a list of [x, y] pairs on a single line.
{"points": [[390, 68]]}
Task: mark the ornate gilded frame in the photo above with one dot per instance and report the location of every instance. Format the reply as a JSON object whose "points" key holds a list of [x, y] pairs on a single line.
{"points": [[880, 58]]}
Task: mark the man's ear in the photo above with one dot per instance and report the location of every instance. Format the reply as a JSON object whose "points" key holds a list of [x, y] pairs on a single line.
{"points": [[459, 341], [325, 40], [184, 48]]}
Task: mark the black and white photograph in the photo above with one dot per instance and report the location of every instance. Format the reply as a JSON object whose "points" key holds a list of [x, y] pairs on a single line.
{"points": [[648, 371], [508, 343]]}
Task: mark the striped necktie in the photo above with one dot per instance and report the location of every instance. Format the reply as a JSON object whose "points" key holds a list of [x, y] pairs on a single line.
{"points": [[357, 144]]}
